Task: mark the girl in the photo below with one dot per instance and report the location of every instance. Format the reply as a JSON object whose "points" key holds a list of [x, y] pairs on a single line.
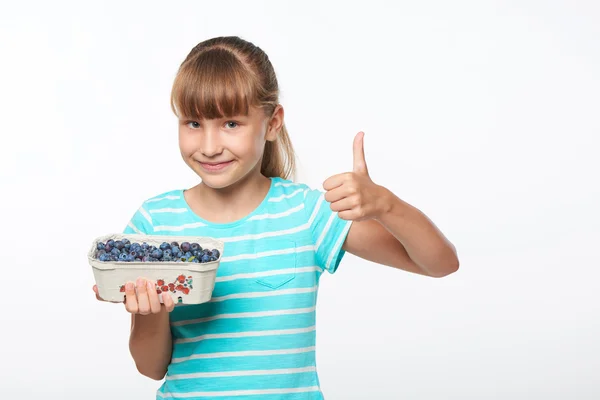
{"points": [[256, 338]]}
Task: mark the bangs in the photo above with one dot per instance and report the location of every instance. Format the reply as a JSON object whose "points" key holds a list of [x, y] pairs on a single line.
{"points": [[213, 84]]}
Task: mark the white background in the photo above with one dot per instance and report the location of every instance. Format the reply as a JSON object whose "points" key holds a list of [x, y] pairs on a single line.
{"points": [[483, 114]]}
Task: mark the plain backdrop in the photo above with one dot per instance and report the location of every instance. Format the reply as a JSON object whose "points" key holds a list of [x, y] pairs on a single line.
{"points": [[483, 114]]}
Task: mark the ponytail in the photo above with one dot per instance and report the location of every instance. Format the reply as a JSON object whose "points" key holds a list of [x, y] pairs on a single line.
{"points": [[279, 159]]}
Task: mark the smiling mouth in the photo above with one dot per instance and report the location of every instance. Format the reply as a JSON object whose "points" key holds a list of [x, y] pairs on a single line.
{"points": [[215, 166]]}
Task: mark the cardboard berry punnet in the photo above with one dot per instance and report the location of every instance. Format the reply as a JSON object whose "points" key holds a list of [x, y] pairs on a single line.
{"points": [[188, 279]]}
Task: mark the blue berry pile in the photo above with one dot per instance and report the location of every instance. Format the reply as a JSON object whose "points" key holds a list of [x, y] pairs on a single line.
{"points": [[125, 251]]}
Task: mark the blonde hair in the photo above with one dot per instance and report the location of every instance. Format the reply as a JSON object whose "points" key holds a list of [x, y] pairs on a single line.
{"points": [[224, 77]]}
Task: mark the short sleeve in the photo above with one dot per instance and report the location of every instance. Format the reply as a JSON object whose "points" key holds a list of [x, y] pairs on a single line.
{"points": [[140, 223], [328, 230]]}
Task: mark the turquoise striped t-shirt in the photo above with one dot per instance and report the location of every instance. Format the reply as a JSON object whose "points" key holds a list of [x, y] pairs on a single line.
{"points": [[256, 338]]}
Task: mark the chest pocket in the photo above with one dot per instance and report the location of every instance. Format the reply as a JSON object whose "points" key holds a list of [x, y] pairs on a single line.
{"points": [[278, 270]]}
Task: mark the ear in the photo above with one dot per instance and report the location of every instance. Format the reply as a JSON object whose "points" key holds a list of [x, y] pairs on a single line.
{"points": [[275, 123]]}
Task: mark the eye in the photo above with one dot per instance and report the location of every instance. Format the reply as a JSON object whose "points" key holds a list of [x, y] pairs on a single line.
{"points": [[231, 124], [193, 124]]}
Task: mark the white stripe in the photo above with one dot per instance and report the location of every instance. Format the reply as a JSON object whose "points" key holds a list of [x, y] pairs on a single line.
{"points": [[233, 335], [145, 214], [239, 392], [253, 256], [256, 314], [178, 228], [287, 184], [338, 244], [278, 215], [325, 230], [169, 210], [267, 234], [247, 353], [285, 196], [269, 293], [256, 372], [132, 226], [267, 273], [170, 197], [251, 236]]}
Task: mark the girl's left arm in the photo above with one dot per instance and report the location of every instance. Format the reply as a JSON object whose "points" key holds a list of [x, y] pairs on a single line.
{"points": [[386, 229]]}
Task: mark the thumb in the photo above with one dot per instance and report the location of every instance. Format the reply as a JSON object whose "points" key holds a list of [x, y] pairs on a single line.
{"points": [[360, 164]]}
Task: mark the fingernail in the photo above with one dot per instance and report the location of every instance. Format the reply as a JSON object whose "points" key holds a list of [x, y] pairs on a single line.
{"points": [[140, 282], [129, 286], [149, 285]]}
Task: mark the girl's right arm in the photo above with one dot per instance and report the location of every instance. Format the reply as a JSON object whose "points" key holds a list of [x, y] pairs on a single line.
{"points": [[150, 342]]}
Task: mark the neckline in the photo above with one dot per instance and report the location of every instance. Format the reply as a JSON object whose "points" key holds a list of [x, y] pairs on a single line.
{"points": [[226, 225]]}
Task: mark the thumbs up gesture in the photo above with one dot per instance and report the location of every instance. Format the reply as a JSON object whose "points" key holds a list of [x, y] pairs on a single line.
{"points": [[353, 195]]}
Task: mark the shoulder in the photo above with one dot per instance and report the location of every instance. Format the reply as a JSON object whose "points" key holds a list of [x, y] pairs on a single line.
{"points": [[156, 208], [297, 194]]}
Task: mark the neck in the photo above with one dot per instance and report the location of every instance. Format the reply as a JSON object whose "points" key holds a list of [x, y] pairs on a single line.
{"points": [[231, 203]]}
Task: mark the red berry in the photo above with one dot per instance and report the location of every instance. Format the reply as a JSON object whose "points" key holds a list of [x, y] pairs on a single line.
{"points": [[165, 288], [158, 291], [122, 288], [179, 287], [160, 282], [185, 290], [181, 278]]}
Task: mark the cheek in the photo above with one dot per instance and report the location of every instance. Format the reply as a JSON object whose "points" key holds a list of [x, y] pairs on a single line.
{"points": [[185, 144]]}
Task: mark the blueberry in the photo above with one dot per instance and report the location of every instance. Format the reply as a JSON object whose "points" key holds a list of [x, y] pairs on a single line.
{"points": [[119, 245], [188, 254], [127, 246], [185, 247], [212, 258], [134, 253], [104, 257], [100, 246], [125, 241], [157, 253], [175, 249], [122, 257], [195, 260], [100, 252], [167, 253], [111, 243], [195, 247], [166, 257], [175, 244], [108, 248], [129, 258], [145, 246], [115, 251], [205, 258], [215, 253], [164, 246], [205, 251]]}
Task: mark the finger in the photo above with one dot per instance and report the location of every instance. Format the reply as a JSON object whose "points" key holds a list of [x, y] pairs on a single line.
{"points": [[131, 303], [360, 164], [142, 297], [350, 215], [335, 181], [345, 204], [338, 193], [95, 289], [168, 301], [153, 297]]}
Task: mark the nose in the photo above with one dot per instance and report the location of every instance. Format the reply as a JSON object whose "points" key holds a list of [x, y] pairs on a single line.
{"points": [[211, 144]]}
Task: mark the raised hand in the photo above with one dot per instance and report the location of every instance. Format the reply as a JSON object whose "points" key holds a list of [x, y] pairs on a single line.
{"points": [[353, 195]]}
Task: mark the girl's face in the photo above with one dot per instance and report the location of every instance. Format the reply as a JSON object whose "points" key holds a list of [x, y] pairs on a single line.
{"points": [[223, 151]]}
